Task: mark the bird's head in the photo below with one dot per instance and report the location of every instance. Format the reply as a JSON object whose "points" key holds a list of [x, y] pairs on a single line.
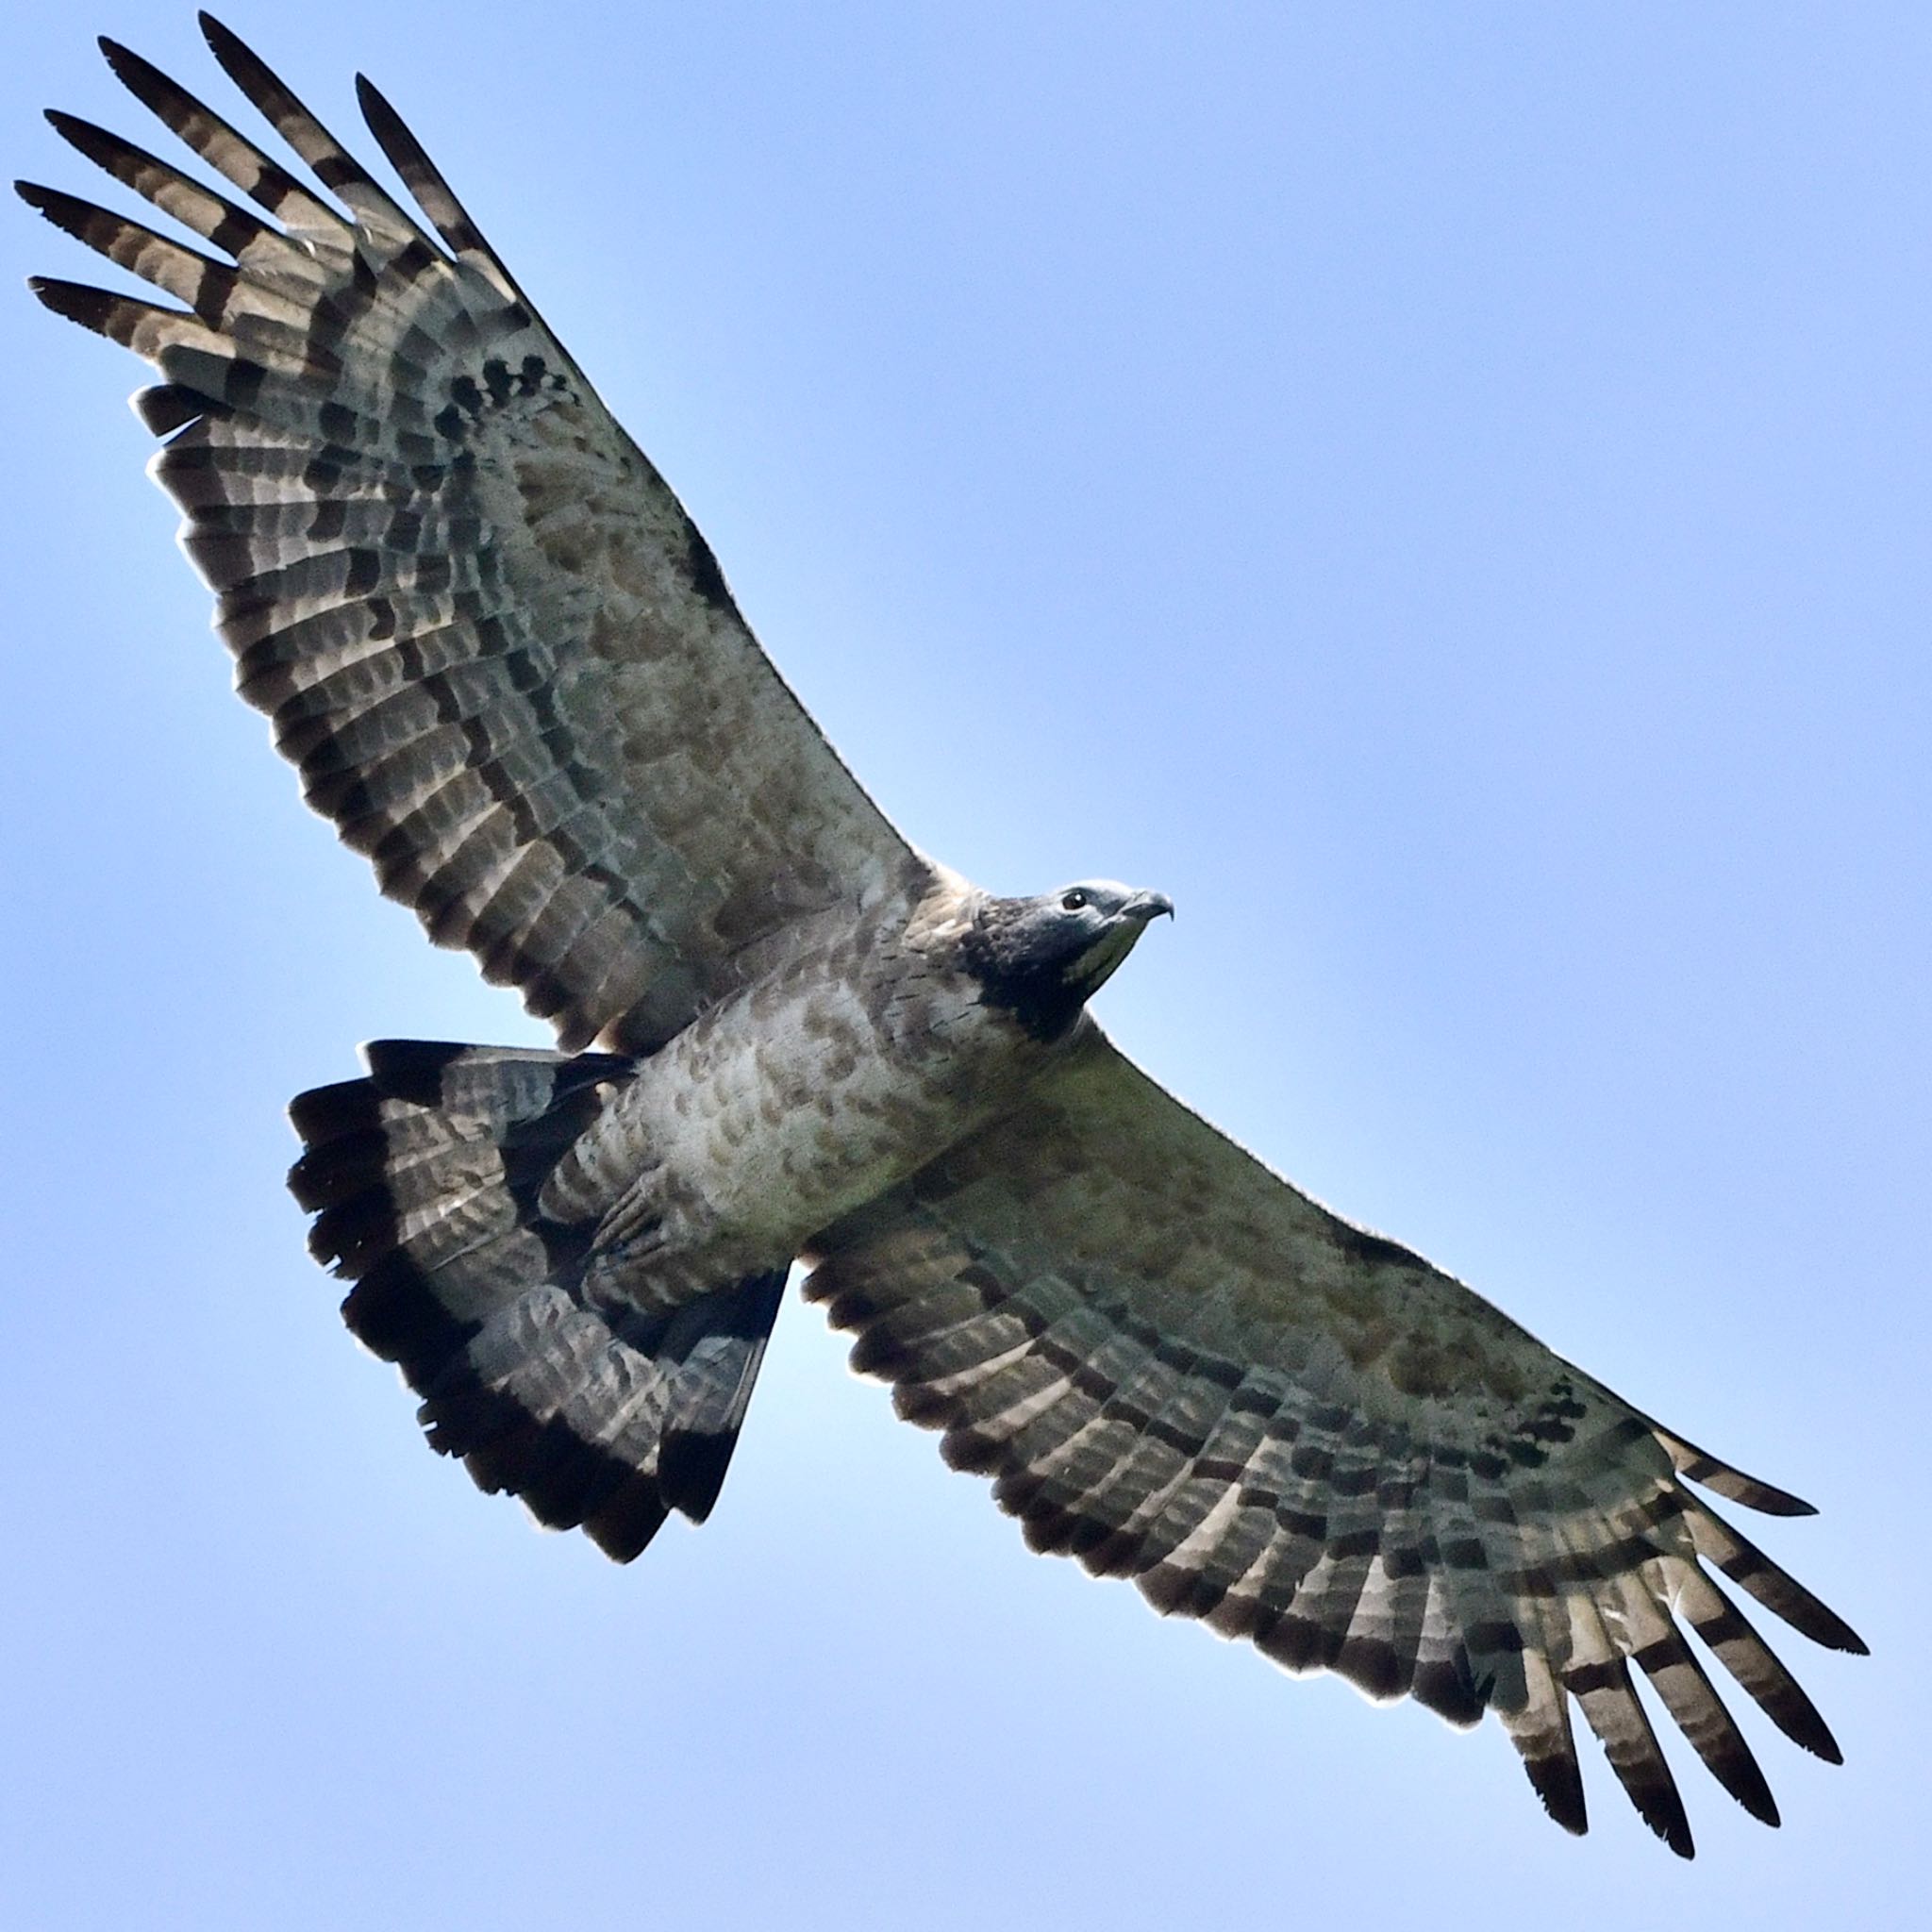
{"points": [[1043, 958]]}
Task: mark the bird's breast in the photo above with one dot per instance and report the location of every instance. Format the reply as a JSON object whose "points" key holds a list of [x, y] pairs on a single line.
{"points": [[813, 1090]]}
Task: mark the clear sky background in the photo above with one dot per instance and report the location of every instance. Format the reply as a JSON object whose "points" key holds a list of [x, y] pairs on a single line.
{"points": [[1441, 489]]}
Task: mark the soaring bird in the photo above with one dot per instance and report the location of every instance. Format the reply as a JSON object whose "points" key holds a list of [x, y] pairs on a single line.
{"points": [[508, 669]]}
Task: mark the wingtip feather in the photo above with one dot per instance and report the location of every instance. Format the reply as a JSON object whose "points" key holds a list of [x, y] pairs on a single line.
{"points": [[1558, 1782], [1700, 1466], [122, 59], [238, 60], [92, 309]]}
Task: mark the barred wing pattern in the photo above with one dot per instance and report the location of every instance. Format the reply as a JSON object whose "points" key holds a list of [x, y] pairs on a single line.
{"points": [[499, 651], [1179, 1369]]}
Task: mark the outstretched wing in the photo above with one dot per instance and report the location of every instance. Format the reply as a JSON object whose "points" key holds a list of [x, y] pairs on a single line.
{"points": [[1180, 1369], [501, 654]]}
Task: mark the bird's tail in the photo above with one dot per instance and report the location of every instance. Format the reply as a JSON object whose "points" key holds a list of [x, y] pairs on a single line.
{"points": [[426, 1183]]}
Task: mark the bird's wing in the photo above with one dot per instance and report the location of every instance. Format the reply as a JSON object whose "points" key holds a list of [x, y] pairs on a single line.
{"points": [[487, 632], [1180, 1369]]}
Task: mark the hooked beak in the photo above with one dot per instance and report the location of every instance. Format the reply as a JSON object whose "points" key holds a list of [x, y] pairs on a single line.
{"points": [[1117, 940], [1147, 905]]}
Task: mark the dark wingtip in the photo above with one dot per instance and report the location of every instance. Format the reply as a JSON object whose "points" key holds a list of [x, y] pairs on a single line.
{"points": [[1824, 1626], [1699, 1466], [1768, 1501], [67, 213], [64, 124], [140, 78], [1558, 1783], [1740, 1775], [1660, 1807], [119, 58], [1773, 1502], [92, 140], [1649, 1787], [239, 60], [380, 118], [74, 301], [1575, 1823]]}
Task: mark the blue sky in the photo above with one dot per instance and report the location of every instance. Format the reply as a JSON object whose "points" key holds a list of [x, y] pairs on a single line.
{"points": [[1443, 492]]}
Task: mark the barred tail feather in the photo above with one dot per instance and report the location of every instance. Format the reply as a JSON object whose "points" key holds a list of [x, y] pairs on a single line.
{"points": [[426, 1182]]}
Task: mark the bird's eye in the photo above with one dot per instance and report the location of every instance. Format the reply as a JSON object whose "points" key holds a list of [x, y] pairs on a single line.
{"points": [[1072, 901]]}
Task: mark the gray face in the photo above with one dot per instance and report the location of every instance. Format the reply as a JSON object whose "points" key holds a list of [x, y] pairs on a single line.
{"points": [[1044, 958]]}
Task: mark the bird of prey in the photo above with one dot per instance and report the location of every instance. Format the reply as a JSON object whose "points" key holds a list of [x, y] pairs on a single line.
{"points": [[509, 670]]}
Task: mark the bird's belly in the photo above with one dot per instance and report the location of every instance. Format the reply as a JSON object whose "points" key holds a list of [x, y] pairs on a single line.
{"points": [[783, 1110]]}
